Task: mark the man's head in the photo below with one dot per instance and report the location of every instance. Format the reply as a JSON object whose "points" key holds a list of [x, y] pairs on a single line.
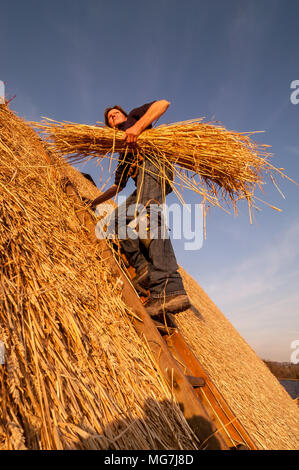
{"points": [[114, 116]]}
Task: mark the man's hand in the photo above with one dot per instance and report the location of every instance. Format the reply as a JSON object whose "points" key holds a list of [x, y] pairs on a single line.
{"points": [[111, 192], [132, 134], [93, 205]]}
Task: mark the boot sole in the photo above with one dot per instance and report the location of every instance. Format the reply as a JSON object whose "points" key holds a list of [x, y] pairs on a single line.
{"points": [[170, 309]]}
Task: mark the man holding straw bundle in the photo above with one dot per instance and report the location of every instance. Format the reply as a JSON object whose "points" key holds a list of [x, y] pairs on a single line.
{"points": [[152, 257]]}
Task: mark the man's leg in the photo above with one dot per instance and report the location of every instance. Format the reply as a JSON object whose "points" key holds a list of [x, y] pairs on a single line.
{"points": [[129, 240], [164, 278]]}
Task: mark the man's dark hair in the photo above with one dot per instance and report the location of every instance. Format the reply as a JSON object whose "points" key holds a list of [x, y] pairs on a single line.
{"points": [[109, 109]]}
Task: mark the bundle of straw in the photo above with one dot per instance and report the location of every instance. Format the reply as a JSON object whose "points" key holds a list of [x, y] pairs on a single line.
{"points": [[229, 164]]}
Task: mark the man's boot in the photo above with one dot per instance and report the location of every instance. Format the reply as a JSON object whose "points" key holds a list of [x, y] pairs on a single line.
{"points": [[167, 304]]}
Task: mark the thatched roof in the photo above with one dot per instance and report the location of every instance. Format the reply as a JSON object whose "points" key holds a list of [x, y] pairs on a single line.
{"points": [[262, 405], [76, 373], [260, 402]]}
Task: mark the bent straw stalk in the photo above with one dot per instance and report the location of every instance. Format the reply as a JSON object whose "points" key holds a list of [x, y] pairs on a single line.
{"points": [[206, 158]]}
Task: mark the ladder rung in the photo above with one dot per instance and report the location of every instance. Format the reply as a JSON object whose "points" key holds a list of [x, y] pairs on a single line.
{"points": [[196, 381]]}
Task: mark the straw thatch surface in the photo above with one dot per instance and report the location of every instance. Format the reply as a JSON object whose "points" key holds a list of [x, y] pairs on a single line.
{"points": [[255, 396], [263, 406], [76, 375]]}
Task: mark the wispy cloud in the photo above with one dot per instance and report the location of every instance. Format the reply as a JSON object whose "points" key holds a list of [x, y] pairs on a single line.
{"points": [[267, 271], [294, 149], [260, 295]]}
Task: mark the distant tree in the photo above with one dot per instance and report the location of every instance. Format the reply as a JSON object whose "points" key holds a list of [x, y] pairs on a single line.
{"points": [[283, 370]]}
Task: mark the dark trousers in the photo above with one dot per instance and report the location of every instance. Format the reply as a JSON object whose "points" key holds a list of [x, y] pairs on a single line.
{"points": [[141, 248]]}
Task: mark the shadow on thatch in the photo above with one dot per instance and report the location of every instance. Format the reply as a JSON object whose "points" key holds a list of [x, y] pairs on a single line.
{"points": [[119, 433], [197, 313]]}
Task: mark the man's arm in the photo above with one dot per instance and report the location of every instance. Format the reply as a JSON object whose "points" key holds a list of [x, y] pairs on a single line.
{"points": [[111, 192], [154, 112]]}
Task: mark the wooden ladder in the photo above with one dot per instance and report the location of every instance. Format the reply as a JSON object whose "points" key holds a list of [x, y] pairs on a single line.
{"points": [[203, 406]]}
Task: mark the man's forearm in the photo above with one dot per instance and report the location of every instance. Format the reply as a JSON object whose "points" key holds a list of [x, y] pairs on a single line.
{"points": [[111, 192], [154, 112]]}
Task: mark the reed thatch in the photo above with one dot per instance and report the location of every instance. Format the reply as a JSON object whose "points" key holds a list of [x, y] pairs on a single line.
{"points": [[218, 164], [76, 375], [256, 397], [262, 405]]}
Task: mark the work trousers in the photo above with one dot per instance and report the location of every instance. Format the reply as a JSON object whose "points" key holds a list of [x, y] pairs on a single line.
{"points": [[143, 233]]}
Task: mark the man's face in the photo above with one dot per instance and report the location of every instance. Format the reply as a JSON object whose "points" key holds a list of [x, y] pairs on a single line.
{"points": [[116, 117]]}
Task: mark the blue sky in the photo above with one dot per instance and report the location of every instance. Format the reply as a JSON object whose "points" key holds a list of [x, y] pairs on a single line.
{"points": [[230, 60]]}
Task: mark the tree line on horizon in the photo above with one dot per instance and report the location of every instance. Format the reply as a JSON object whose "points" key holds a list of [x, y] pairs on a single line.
{"points": [[283, 370]]}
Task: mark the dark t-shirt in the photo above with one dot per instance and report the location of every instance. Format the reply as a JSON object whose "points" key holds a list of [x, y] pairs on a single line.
{"points": [[125, 161]]}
